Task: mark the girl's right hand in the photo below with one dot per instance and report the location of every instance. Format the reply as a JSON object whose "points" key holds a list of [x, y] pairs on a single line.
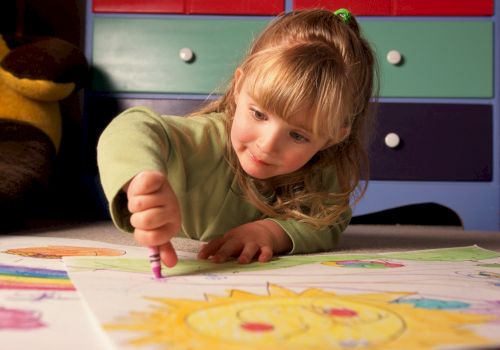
{"points": [[155, 210]]}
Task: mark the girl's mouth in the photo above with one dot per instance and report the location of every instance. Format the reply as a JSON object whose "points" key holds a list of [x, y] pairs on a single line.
{"points": [[257, 160]]}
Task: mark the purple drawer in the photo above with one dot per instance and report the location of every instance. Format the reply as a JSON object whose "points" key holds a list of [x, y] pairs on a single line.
{"points": [[437, 142]]}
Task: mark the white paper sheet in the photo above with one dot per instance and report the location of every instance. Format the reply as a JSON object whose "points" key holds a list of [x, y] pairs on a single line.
{"points": [[437, 299], [39, 306]]}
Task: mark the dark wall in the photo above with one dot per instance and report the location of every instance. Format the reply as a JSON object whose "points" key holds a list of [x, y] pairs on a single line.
{"points": [[64, 19]]}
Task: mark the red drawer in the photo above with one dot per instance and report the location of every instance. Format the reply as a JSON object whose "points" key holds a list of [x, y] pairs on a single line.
{"points": [[237, 7], [136, 6], [442, 7], [357, 7], [221, 7], [405, 7]]}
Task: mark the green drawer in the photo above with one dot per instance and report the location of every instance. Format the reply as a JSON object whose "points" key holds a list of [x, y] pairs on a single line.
{"points": [[142, 54], [440, 59]]}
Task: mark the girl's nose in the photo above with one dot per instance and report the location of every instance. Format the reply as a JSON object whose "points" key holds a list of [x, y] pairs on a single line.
{"points": [[269, 141]]}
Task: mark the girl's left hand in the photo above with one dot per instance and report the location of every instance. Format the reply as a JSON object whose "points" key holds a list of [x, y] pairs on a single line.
{"points": [[259, 239]]}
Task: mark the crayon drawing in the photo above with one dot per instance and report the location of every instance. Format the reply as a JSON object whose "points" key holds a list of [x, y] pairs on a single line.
{"points": [[311, 319], [411, 300], [17, 319], [58, 251], [22, 277], [38, 303]]}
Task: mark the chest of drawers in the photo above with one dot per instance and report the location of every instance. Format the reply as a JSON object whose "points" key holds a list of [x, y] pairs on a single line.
{"points": [[438, 129]]}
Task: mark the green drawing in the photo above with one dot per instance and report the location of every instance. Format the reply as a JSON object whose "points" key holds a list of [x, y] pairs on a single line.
{"points": [[189, 267]]}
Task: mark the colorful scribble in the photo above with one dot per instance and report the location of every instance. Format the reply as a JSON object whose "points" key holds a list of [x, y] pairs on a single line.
{"points": [[58, 251], [433, 304], [364, 264], [21, 277], [16, 319], [312, 319]]}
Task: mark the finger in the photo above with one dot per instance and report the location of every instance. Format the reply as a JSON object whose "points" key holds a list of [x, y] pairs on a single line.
{"points": [[138, 203], [145, 182], [150, 219], [168, 254], [151, 238], [248, 252], [210, 248], [228, 249], [266, 254]]}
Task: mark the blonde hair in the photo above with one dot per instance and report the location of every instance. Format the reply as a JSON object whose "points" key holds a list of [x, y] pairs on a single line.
{"points": [[310, 60]]}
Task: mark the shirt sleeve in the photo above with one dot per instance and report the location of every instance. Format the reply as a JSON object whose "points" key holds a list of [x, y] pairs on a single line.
{"points": [[133, 142], [307, 239]]}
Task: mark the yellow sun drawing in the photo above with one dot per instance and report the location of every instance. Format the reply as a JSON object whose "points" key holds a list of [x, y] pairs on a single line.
{"points": [[283, 319]]}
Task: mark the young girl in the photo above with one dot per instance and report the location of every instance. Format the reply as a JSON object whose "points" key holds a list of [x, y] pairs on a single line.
{"points": [[269, 168]]}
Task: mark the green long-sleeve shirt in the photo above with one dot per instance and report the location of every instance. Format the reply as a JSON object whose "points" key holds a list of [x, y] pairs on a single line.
{"points": [[190, 151]]}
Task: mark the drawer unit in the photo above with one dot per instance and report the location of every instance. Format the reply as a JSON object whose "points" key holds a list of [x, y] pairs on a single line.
{"points": [[433, 58], [432, 142], [405, 7], [241, 7], [144, 54]]}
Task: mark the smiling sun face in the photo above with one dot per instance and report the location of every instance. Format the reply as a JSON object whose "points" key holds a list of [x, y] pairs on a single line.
{"points": [[313, 319]]}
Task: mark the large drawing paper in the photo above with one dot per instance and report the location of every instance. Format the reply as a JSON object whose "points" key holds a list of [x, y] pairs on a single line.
{"points": [[434, 299], [39, 305]]}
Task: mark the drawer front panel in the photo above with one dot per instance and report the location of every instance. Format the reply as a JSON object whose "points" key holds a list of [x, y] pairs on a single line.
{"points": [[405, 7], [438, 59], [437, 142], [134, 6], [143, 54], [242, 7], [443, 7], [358, 7]]}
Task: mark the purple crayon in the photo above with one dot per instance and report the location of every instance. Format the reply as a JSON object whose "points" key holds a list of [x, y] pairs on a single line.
{"points": [[155, 261]]}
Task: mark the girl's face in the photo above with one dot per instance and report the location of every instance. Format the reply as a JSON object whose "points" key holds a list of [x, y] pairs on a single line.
{"points": [[265, 144]]}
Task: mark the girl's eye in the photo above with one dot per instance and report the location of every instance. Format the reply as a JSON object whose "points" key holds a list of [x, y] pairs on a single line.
{"points": [[298, 137], [258, 114]]}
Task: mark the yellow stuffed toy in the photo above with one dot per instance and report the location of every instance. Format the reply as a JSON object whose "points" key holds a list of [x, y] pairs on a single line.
{"points": [[34, 75]]}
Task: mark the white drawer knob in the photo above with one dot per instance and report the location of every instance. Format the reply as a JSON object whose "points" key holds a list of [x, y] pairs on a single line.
{"points": [[186, 54], [392, 140], [394, 57]]}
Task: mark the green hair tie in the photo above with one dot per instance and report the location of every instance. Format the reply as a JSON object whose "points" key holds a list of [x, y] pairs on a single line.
{"points": [[344, 14]]}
